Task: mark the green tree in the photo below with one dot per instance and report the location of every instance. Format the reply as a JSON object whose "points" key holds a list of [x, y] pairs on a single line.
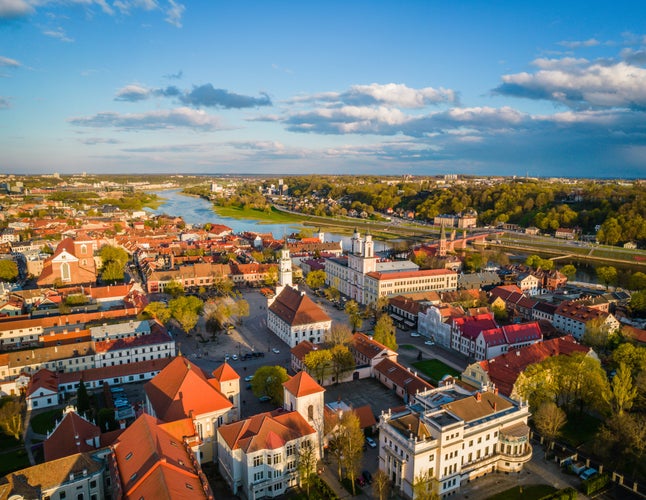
{"points": [[354, 314], [622, 391], [83, 404], [473, 262], [306, 464], [569, 271], [186, 311], [11, 421], [315, 279], [224, 287], [106, 420], [351, 441], [638, 303], [8, 270], [596, 334], [174, 288], [607, 275], [342, 361], [332, 293], [159, 311], [385, 332], [109, 253], [500, 313], [242, 309], [634, 357], [319, 364], [268, 381], [637, 281], [549, 419], [112, 272]]}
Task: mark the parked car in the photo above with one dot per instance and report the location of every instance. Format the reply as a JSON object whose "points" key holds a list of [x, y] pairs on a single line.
{"points": [[415, 334], [577, 467], [234, 357], [226, 357], [429, 342], [248, 387], [360, 481], [248, 378], [275, 350], [262, 399], [371, 442], [588, 473], [367, 476]]}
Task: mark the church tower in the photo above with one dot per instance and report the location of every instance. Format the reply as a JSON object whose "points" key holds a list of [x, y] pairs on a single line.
{"points": [[285, 268], [303, 394], [442, 248]]}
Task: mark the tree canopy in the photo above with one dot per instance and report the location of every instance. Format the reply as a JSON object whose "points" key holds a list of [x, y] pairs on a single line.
{"points": [[8, 270], [385, 332], [186, 311], [268, 381]]}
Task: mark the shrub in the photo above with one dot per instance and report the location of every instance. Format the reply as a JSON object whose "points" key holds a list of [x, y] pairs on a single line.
{"points": [[595, 483]]}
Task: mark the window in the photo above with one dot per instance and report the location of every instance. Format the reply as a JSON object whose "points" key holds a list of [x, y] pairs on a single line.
{"points": [[61, 494], [310, 412], [257, 461], [129, 456], [258, 476], [93, 483], [277, 458], [291, 449]]}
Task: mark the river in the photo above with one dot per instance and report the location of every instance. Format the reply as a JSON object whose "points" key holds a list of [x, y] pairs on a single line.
{"points": [[198, 211]]}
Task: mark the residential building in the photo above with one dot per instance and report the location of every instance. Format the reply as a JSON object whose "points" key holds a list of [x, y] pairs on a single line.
{"points": [[258, 457], [572, 317], [183, 391], [452, 436], [73, 477]]}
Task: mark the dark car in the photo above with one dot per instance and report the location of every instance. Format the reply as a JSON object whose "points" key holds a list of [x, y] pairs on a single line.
{"points": [[360, 481], [367, 476]]}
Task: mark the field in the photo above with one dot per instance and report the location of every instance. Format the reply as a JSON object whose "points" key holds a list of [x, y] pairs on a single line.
{"points": [[435, 369]]}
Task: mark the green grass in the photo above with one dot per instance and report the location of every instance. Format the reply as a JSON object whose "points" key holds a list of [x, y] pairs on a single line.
{"points": [[13, 460], [407, 346], [44, 422], [531, 492], [579, 429], [435, 369], [273, 217]]}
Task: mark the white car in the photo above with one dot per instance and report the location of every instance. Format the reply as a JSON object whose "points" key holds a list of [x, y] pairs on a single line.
{"points": [[371, 442], [234, 357], [275, 350], [429, 342], [415, 334], [248, 378]]}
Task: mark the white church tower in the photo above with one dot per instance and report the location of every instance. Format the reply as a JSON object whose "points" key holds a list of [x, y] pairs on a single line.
{"points": [[303, 394]]}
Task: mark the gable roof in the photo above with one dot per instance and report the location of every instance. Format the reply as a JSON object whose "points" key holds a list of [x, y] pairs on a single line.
{"points": [[265, 431], [401, 377], [43, 379], [482, 404], [72, 435], [302, 384], [154, 464], [296, 308], [182, 390], [224, 373]]}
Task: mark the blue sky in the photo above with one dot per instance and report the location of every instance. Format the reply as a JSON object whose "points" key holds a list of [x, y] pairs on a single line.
{"points": [[407, 87]]}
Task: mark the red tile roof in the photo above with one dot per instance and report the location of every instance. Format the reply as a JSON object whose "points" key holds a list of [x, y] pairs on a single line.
{"points": [[503, 370], [110, 372], [302, 384], [152, 463], [410, 274], [43, 379], [72, 435], [296, 308], [401, 377], [265, 431], [224, 373], [182, 390], [471, 326]]}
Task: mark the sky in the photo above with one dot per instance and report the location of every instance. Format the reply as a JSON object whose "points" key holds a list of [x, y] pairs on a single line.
{"points": [[540, 89]]}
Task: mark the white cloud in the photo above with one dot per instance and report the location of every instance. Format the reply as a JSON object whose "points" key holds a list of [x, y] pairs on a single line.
{"points": [[579, 83], [133, 93], [152, 120], [10, 9], [12, 63], [59, 34], [174, 13], [576, 44]]}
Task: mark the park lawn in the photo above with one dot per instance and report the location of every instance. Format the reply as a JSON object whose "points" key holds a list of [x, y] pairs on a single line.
{"points": [[579, 429], [531, 492], [435, 369], [407, 347], [44, 422], [273, 217]]}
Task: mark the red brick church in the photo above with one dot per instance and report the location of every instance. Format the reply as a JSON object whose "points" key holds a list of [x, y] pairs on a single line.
{"points": [[71, 264]]}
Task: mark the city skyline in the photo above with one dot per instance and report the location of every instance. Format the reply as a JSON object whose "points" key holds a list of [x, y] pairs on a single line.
{"points": [[413, 87]]}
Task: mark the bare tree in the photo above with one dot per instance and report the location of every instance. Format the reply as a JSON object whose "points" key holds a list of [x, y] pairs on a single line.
{"points": [[351, 441], [306, 464], [425, 487], [549, 419], [339, 334], [11, 420], [382, 484]]}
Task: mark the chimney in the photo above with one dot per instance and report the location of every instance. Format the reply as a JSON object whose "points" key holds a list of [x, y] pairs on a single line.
{"points": [[495, 406], [495, 391], [478, 396]]}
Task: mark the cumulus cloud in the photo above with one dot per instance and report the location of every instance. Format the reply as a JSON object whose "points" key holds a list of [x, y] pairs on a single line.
{"points": [[13, 9], [390, 94], [580, 84], [152, 120], [175, 76], [208, 96], [11, 63]]}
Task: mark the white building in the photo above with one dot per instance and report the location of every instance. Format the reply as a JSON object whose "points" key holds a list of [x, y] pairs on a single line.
{"points": [[448, 437], [291, 314], [258, 457]]}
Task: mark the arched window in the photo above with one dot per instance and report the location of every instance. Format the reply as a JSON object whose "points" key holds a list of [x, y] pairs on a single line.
{"points": [[310, 412], [83, 248], [65, 272]]}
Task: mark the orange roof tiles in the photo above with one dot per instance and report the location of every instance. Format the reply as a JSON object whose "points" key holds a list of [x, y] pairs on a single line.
{"points": [[302, 384], [225, 372], [297, 309], [181, 390], [43, 379], [72, 435]]}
